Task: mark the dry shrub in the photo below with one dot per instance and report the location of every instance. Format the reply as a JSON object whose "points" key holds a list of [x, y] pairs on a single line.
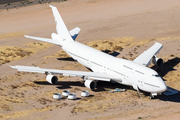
{"points": [[118, 48], [5, 107], [61, 54], [14, 86], [94, 45], [172, 55], [13, 34], [105, 41], [11, 53], [124, 57], [29, 84], [38, 45], [110, 43], [116, 44], [44, 101], [75, 90], [91, 104], [14, 100]]}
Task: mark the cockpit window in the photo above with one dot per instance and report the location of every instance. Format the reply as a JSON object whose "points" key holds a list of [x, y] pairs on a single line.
{"points": [[157, 75]]}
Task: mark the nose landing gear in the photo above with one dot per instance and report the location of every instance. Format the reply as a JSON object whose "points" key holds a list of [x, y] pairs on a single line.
{"points": [[152, 95]]}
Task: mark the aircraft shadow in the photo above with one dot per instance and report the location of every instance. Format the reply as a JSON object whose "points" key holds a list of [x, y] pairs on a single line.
{"points": [[101, 85], [104, 86], [66, 59], [114, 53], [171, 98], [167, 66], [62, 84]]}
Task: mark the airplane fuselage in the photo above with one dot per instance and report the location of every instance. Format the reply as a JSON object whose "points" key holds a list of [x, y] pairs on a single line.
{"points": [[130, 73]]}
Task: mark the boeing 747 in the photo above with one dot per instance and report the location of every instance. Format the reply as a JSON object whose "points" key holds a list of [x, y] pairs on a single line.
{"points": [[104, 66]]}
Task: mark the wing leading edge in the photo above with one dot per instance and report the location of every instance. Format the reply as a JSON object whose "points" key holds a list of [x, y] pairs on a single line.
{"points": [[89, 75], [145, 58]]}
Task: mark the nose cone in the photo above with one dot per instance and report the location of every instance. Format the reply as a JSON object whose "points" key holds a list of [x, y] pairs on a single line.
{"points": [[163, 86]]}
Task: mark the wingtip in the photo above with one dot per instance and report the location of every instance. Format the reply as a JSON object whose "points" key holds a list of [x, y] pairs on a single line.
{"points": [[159, 43], [51, 6], [78, 28], [12, 66], [25, 36]]}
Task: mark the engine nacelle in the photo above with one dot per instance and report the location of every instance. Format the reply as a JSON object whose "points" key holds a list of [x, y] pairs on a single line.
{"points": [[157, 61], [90, 84], [52, 79]]}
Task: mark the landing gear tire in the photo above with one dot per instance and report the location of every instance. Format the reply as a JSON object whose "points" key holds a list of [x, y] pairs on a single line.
{"points": [[151, 97]]}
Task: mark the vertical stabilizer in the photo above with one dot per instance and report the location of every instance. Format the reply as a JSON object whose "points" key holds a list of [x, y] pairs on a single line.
{"points": [[60, 26]]}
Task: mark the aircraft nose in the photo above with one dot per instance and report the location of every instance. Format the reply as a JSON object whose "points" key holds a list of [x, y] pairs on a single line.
{"points": [[163, 86]]}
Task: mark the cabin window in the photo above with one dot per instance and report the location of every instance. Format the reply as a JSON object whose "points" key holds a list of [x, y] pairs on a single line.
{"points": [[157, 75], [139, 72], [127, 67]]}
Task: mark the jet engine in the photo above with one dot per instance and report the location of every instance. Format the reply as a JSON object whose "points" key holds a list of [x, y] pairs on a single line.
{"points": [[157, 61], [90, 84], [52, 79]]}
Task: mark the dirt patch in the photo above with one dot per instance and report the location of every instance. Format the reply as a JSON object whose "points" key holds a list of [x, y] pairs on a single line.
{"points": [[12, 53], [105, 101], [11, 35], [18, 114]]}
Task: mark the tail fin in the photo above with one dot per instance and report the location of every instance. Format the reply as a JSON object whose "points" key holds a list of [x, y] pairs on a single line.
{"points": [[63, 33], [60, 26]]}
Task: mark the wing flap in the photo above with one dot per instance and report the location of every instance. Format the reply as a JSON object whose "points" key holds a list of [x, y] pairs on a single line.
{"points": [[92, 75], [145, 58]]}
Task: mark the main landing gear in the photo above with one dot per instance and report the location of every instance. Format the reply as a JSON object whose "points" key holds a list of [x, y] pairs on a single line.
{"points": [[138, 92], [152, 95]]}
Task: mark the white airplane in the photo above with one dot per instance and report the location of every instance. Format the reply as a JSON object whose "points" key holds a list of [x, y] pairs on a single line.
{"points": [[104, 66]]}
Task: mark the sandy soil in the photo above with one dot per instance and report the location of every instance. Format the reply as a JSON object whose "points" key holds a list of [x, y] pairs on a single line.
{"points": [[128, 27]]}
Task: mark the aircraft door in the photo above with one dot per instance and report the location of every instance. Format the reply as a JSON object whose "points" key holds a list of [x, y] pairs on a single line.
{"points": [[135, 82], [126, 79]]}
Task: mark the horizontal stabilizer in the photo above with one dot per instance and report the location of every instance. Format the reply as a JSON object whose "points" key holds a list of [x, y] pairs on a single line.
{"points": [[74, 32], [53, 41]]}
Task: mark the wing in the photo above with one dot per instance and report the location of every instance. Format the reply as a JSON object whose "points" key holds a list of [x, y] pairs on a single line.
{"points": [[145, 58], [89, 75]]}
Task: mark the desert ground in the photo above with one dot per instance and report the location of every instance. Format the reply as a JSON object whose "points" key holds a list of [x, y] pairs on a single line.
{"points": [[125, 26]]}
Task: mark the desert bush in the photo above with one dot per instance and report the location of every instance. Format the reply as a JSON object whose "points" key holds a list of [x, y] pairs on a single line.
{"points": [[119, 48]]}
